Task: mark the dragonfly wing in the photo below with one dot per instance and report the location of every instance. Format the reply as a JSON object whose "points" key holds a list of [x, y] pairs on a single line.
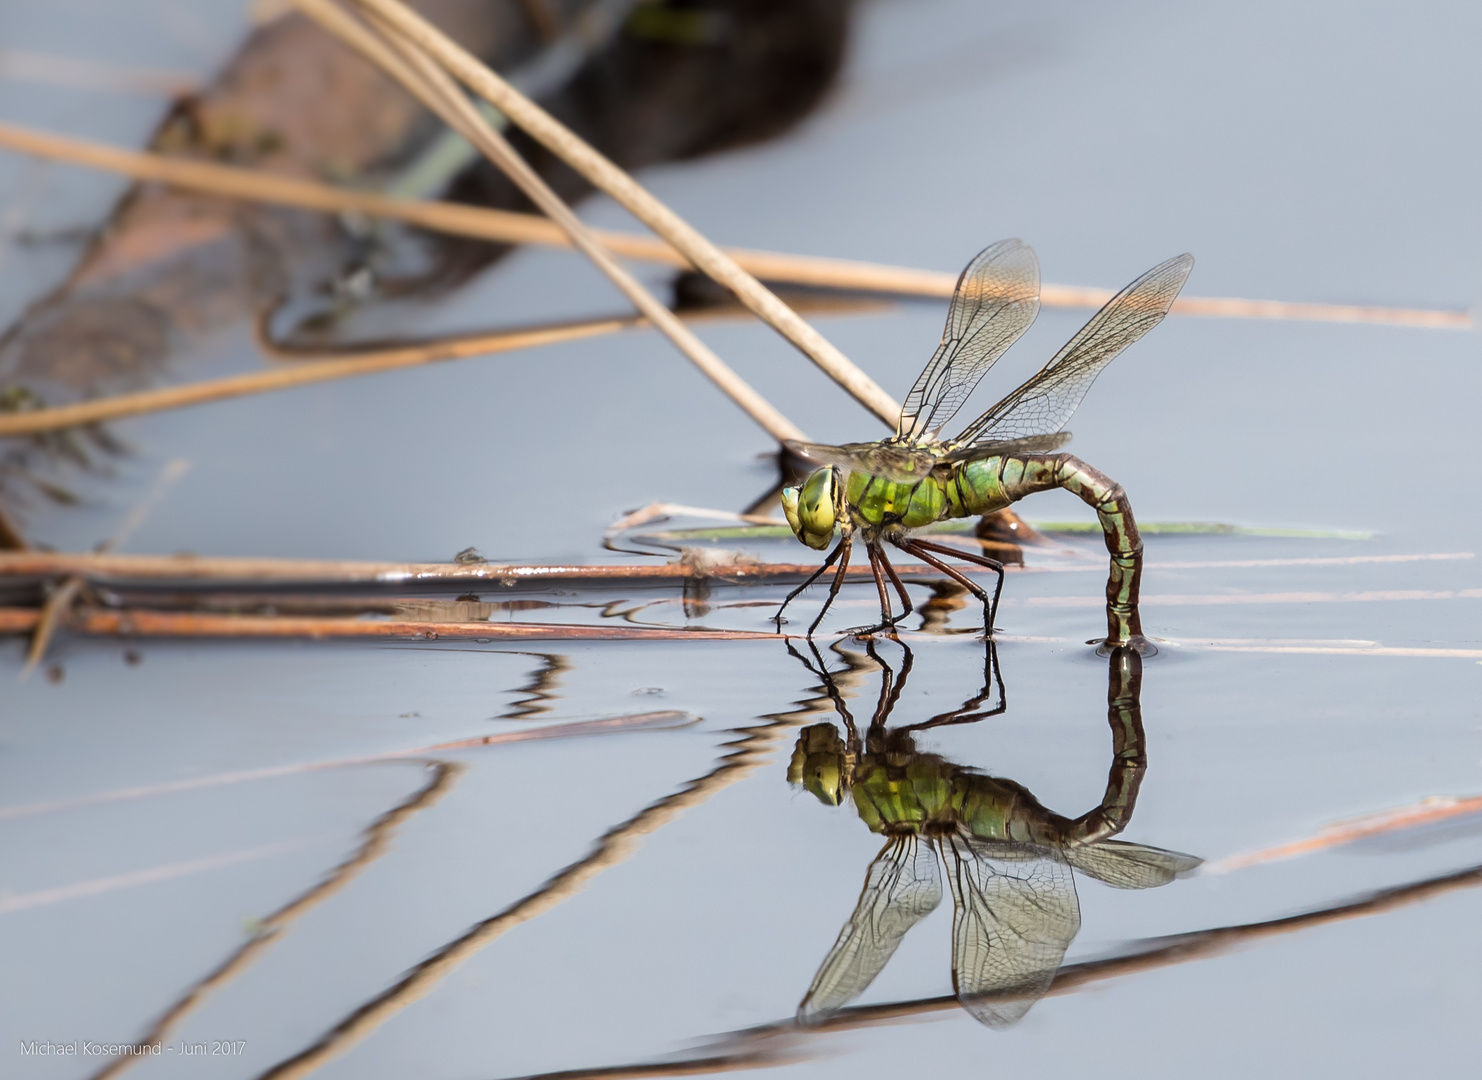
{"points": [[1129, 866], [892, 461], [1032, 444], [1014, 919], [996, 300], [901, 888], [1046, 401]]}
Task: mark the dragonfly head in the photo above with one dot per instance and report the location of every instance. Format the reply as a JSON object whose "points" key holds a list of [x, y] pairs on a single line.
{"points": [[811, 508], [820, 764]]}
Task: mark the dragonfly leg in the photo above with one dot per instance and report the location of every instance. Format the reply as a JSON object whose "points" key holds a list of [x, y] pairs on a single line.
{"points": [[887, 622], [980, 560], [832, 558], [833, 589], [900, 588], [888, 619], [913, 547]]}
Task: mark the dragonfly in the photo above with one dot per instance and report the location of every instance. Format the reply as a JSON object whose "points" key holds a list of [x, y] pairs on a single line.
{"points": [[887, 490], [1009, 860]]}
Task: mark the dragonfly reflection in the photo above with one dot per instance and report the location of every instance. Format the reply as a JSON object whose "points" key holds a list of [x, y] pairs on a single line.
{"points": [[1008, 859]]}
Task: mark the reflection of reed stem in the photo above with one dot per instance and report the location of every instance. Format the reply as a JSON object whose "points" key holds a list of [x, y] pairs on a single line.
{"points": [[377, 837], [752, 1048], [743, 756]]}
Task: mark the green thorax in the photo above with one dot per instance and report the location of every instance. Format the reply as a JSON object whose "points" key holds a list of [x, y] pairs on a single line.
{"points": [[966, 489], [924, 793]]}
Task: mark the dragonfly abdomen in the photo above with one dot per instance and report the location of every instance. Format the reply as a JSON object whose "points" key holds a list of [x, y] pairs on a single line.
{"points": [[989, 484]]}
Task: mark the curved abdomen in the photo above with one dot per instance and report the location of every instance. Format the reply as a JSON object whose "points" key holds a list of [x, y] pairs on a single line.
{"points": [[990, 484]]}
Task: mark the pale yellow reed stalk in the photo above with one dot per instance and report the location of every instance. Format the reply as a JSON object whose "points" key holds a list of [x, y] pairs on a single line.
{"points": [[437, 91], [502, 226], [601, 172], [302, 373]]}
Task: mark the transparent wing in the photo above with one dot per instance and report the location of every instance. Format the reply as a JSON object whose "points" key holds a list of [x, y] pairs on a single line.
{"points": [[996, 300], [893, 461], [1046, 401], [1032, 444], [901, 888], [1129, 866], [1015, 918]]}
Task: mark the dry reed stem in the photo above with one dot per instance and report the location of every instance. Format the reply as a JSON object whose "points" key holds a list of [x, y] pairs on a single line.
{"points": [[332, 364], [502, 226], [145, 623], [750, 1048], [377, 836], [303, 373], [57, 610], [744, 756], [646, 721], [606, 176], [1428, 811], [435, 89], [53, 614], [197, 569], [77, 73]]}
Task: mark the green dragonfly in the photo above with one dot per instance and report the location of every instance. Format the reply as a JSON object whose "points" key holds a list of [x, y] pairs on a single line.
{"points": [[1008, 858], [888, 489]]}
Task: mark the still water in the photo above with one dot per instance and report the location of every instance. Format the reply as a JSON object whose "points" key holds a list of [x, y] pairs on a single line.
{"points": [[655, 889]]}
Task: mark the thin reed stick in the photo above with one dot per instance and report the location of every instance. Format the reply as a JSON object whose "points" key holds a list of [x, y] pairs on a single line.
{"points": [[606, 176], [429, 83], [342, 363], [502, 226], [776, 1043], [373, 844], [302, 373], [746, 753], [114, 622], [659, 720], [78, 73], [55, 613], [116, 569]]}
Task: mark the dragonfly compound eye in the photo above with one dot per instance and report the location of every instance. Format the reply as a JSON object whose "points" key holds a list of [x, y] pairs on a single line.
{"points": [[816, 509], [817, 763], [790, 510]]}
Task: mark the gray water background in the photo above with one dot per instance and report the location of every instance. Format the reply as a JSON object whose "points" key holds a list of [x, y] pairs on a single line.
{"points": [[1303, 152]]}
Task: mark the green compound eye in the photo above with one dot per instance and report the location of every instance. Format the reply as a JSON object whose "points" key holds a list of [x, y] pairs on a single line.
{"points": [[790, 510], [815, 509]]}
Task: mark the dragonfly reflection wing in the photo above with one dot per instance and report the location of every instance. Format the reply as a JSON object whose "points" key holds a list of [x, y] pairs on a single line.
{"points": [[1014, 919], [901, 888], [996, 300], [1129, 866], [900, 464], [1046, 401]]}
